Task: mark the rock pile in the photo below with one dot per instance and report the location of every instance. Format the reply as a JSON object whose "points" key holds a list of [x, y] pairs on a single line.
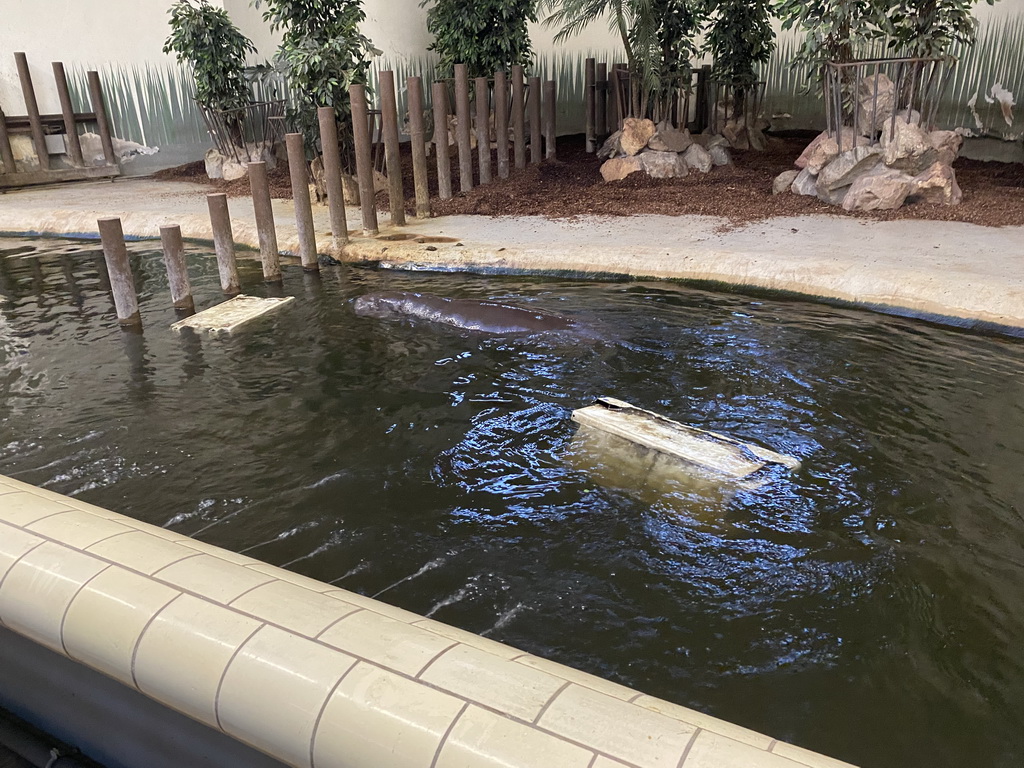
{"points": [[897, 161], [660, 151], [221, 166]]}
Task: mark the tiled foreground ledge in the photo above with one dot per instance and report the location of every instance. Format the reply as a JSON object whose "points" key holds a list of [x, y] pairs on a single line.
{"points": [[318, 676]]}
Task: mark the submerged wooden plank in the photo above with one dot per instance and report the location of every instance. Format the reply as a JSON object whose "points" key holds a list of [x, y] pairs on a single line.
{"points": [[666, 439], [231, 315]]}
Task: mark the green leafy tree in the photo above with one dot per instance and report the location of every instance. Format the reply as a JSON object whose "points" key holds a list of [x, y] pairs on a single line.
{"points": [[205, 39], [931, 27], [740, 37], [485, 35]]}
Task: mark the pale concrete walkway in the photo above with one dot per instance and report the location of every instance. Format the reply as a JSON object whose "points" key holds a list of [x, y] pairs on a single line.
{"points": [[947, 270]]}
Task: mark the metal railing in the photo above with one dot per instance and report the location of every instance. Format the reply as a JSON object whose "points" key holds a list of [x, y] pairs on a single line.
{"points": [[247, 133]]}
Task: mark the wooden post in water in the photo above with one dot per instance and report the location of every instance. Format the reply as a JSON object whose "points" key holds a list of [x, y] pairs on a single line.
{"points": [[364, 158], [444, 164], [265, 228], [68, 112], [483, 128], [32, 108], [223, 242], [392, 152], [119, 270], [100, 110], [501, 122], [332, 174], [518, 117], [601, 101], [533, 107], [299, 176], [417, 137], [6, 153], [550, 105], [462, 127], [590, 101], [174, 261]]}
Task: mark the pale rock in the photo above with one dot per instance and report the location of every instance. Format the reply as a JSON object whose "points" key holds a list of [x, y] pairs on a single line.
{"points": [[720, 155], [716, 140], [842, 171], [214, 161], [758, 141], [380, 182], [232, 170], [825, 151], [670, 140], [908, 147], [937, 185], [879, 189], [735, 132], [784, 182], [635, 134], [698, 158], [876, 102], [318, 189], [663, 165], [618, 168], [350, 189], [611, 147], [947, 144], [832, 196], [815, 151], [805, 183]]}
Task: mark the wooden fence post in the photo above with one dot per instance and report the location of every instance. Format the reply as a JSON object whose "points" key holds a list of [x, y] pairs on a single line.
{"points": [[364, 158], [259, 185], [462, 127], [533, 107], [501, 122], [68, 112], [297, 171], [392, 152], [328, 121], [414, 86], [483, 128], [518, 117], [32, 107], [444, 163], [223, 242], [590, 102], [119, 271], [177, 272]]}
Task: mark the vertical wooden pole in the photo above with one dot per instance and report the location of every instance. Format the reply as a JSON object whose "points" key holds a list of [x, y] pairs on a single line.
{"points": [[501, 122], [68, 112], [265, 228], [483, 128], [299, 175], [444, 163], [590, 101], [392, 152], [332, 173], [223, 242], [704, 106], [601, 101], [550, 108], [102, 123], [518, 117], [174, 261], [462, 127], [613, 96], [417, 136], [6, 153], [533, 107], [364, 158], [119, 270], [32, 108]]}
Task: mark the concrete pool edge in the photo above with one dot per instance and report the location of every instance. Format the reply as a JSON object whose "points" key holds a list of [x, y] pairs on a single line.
{"points": [[307, 672]]}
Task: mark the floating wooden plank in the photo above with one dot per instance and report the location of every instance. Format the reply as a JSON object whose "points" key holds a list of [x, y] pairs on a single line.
{"points": [[30, 178], [231, 315], [655, 441]]}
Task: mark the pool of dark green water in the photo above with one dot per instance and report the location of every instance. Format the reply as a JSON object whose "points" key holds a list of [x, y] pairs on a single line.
{"points": [[869, 605]]}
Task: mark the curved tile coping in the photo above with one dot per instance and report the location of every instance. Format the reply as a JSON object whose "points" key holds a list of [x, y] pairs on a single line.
{"points": [[317, 676]]}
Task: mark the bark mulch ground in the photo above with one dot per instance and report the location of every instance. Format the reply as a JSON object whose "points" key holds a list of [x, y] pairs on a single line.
{"points": [[993, 193]]}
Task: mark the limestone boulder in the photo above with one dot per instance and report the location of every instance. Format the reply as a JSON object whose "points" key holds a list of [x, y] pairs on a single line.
{"points": [[735, 132], [907, 147], [937, 184], [825, 151], [611, 147], [635, 135], [876, 101], [832, 196], [618, 168], [784, 182], [669, 139], [698, 159], [947, 145], [805, 183], [232, 170], [758, 141], [825, 148], [663, 165], [720, 154], [214, 162], [845, 169], [879, 189]]}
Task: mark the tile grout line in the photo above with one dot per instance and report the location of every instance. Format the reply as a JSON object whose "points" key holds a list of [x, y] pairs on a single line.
{"points": [[323, 708], [107, 538], [446, 734], [336, 622], [138, 640], [17, 560], [270, 580], [689, 746], [64, 616], [153, 575], [224, 674], [549, 702], [434, 658]]}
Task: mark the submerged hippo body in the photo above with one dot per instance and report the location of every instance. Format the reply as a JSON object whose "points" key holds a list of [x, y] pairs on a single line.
{"points": [[482, 316]]}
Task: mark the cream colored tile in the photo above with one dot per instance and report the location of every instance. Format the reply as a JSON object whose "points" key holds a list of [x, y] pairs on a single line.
{"points": [[713, 751], [707, 722], [470, 639], [484, 738], [184, 652], [580, 678], [806, 757], [39, 587], [292, 607], [275, 689], [14, 542], [616, 728], [222, 554], [92, 509], [212, 577], [607, 762], [392, 644], [76, 528], [376, 606], [484, 678], [21, 508], [381, 719], [292, 578], [105, 620], [161, 533], [140, 551]]}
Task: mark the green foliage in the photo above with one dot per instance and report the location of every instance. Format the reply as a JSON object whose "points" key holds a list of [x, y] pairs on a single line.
{"points": [[204, 38], [931, 27], [485, 35], [739, 39], [322, 53]]}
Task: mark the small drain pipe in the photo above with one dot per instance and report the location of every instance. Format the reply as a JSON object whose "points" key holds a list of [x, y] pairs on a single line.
{"points": [[32, 748]]}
